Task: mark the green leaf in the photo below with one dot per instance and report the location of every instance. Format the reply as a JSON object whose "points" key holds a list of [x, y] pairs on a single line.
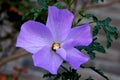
{"points": [[81, 12], [49, 75], [94, 46], [115, 35], [43, 3], [35, 14], [95, 30], [67, 74], [109, 40], [0, 48], [27, 16], [92, 55], [98, 1], [99, 47], [58, 4], [110, 31], [89, 78], [102, 0], [70, 74], [32, 14], [88, 16]]}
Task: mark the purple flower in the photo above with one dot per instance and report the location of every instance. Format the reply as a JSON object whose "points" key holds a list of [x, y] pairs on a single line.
{"points": [[53, 43]]}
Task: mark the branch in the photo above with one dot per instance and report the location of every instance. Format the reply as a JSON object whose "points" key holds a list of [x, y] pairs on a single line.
{"points": [[11, 58], [102, 5], [97, 71]]}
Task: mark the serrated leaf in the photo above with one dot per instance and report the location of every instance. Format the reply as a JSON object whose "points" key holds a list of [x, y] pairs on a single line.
{"points": [[98, 47], [109, 40], [88, 15], [110, 31], [94, 46], [70, 74], [108, 19], [115, 35], [95, 18], [95, 30]]}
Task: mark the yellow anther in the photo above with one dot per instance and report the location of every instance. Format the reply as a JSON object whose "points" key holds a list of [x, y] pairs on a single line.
{"points": [[55, 46]]}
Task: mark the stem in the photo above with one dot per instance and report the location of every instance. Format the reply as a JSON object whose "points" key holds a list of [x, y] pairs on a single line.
{"points": [[64, 68], [92, 68], [11, 58], [96, 70], [94, 38], [68, 4]]}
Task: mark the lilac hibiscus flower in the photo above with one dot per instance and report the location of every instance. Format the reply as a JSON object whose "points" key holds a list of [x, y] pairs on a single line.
{"points": [[53, 43]]}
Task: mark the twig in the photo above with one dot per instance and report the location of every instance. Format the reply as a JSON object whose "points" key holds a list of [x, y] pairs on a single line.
{"points": [[11, 58], [75, 6], [100, 73], [64, 68], [96, 70], [102, 5]]}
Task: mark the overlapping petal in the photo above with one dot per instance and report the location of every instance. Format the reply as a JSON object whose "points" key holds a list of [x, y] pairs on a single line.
{"points": [[79, 36], [75, 58], [59, 22], [33, 36], [62, 53], [47, 59]]}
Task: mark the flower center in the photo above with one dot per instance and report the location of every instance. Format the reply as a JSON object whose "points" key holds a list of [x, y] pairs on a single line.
{"points": [[55, 46]]}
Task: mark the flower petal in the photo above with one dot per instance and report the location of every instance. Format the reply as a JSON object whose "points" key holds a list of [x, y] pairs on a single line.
{"points": [[75, 58], [47, 59], [80, 36], [33, 36], [61, 52], [59, 22]]}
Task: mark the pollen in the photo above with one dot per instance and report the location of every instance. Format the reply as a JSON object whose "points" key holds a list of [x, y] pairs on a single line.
{"points": [[55, 46]]}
